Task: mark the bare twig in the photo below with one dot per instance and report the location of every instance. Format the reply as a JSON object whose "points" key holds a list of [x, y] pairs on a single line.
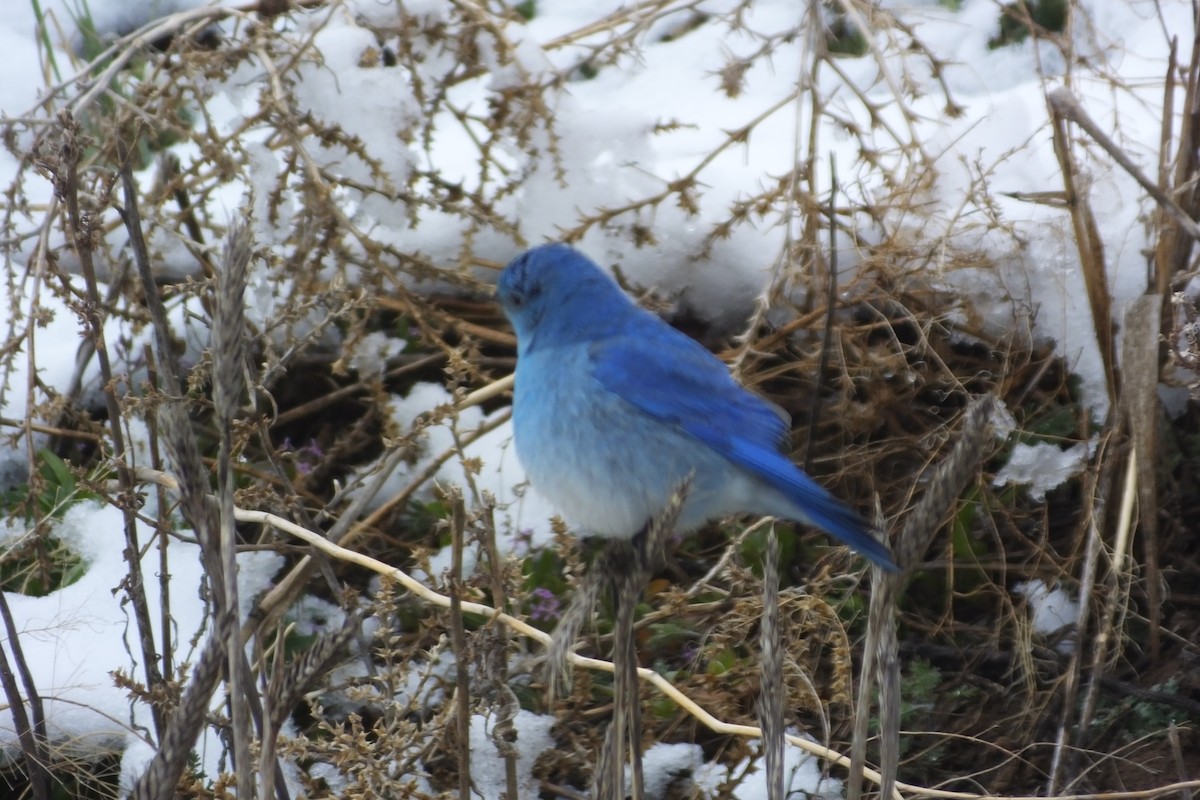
{"points": [[943, 487], [229, 364], [1139, 390], [771, 697], [160, 778], [32, 736], [1066, 106], [1087, 236], [83, 232], [498, 674], [458, 636]]}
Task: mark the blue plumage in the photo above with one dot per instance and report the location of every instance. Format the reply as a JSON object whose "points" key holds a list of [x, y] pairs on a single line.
{"points": [[613, 408]]}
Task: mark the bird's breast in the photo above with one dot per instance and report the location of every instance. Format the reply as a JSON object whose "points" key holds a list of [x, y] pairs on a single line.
{"points": [[581, 446]]}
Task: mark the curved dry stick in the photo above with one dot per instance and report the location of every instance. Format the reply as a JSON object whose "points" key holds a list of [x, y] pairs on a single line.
{"points": [[520, 626], [652, 677]]}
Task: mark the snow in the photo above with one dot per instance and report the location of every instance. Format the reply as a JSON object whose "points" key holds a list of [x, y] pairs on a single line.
{"points": [[75, 637], [522, 515], [802, 776], [1027, 284], [487, 763], [663, 764], [371, 358], [1042, 466], [1053, 612]]}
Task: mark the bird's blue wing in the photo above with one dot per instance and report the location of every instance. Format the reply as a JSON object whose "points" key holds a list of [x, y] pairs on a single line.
{"points": [[671, 378]]}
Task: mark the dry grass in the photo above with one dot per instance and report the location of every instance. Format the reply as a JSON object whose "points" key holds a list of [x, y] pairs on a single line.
{"points": [[986, 706]]}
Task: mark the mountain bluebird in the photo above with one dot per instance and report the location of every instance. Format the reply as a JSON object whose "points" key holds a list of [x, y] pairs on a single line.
{"points": [[614, 409]]}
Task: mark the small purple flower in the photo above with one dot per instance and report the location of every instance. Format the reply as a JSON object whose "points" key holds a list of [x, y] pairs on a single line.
{"points": [[546, 605], [308, 457]]}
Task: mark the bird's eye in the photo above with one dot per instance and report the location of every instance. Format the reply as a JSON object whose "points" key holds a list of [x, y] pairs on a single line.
{"points": [[516, 300]]}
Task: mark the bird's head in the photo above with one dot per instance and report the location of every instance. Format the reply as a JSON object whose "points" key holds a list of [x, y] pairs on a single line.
{"points": [[557, 293]]}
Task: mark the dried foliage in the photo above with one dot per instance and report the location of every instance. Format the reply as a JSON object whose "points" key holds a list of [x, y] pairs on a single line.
{"points": [[285, 411]]}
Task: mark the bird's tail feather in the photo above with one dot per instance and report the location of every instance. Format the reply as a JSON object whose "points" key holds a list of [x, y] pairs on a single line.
{"points": [[813, 504]]}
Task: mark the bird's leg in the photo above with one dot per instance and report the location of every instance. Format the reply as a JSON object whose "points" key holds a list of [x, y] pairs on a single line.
{"points": [[620, 563], [771, 697], [583, 604], [628, 565], [618, 567], [608, 781], [638, 542], [629, 588]]}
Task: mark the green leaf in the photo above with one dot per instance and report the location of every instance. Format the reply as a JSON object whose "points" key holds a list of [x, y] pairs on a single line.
{"points": [[56, 472], [722, 662], [669, 634], [527, 9]]}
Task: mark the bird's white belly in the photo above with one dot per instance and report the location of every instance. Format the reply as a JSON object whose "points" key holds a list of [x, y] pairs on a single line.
{"points": [[607, 467]]}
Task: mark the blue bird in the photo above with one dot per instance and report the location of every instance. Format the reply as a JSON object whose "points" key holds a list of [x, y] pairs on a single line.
{"points": [[613, 409]]}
